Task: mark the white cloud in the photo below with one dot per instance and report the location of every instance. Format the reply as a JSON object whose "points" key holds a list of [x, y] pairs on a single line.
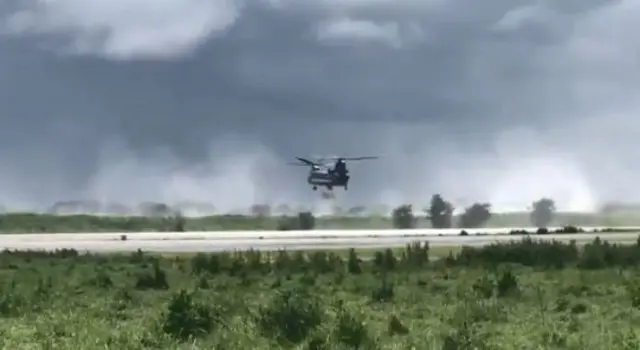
{"points": [[352, 29], [348, 31], [124, 29]]}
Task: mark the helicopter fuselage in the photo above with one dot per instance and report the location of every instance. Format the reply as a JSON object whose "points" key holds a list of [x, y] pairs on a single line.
{"points": [[328, 175], [327, 178]]}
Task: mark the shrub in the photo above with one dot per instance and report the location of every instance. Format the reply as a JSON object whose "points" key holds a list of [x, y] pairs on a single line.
{"points": [[306, 221], [179, 223], [543, 212], [323, 262], [353, 263], [440, 212], [526, 252], [286, 223], [157, 279], [261, 210], [384, 293], [351, 330], [416, 254], [101, 279], [507, 284], [403, 217], [211, 263], [484, 287], [185, 318], [569, 229], [476, 215], [599, 254], [291, 316], [11, 302], [395, 327]]}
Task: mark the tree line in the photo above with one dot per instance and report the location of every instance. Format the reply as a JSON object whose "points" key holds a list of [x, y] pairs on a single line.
{"points": [[440, 214]]}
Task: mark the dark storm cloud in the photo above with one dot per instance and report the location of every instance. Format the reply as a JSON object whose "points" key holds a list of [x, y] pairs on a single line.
{"points": [[204, 100]]}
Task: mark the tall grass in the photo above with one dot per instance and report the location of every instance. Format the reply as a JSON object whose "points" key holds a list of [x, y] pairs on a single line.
{"points": [[520, 295]]}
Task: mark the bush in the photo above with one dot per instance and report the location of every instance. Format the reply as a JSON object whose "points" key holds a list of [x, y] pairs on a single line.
{"points": [[384, 293], [476, 215], [353, 262], [185, 318], [157, 279], [507, 284], [286, 223], [291, 316], [306, 221], [351, 330], [403, 217], [440, 212], [569, 230], [416, 254], [261, 210], [543, 212], [526, 252]]}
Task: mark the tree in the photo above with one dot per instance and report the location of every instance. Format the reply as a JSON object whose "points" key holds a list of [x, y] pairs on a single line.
{"points": [[261, 210], [440, 212], [403, 217], [543, 212], [156, 209], [306, 220], [357, 210], [283, 209], [476, 215]]}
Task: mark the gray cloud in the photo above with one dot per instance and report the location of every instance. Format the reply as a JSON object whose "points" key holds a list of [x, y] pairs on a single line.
{"points": [[205, 100], [122, 29]]}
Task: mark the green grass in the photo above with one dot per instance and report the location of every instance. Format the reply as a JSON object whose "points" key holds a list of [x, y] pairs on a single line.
{"points": [[24, 223], [521, 295]]}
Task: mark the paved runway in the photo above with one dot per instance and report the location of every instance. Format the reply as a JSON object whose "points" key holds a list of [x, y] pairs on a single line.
{"points": [[289, 240]]}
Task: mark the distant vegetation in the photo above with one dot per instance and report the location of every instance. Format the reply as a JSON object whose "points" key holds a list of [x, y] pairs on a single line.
{"points": [[439, 213], [522, 295]]}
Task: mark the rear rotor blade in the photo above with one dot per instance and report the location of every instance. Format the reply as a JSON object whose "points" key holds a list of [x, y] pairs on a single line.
{"points": [[361, 158]]}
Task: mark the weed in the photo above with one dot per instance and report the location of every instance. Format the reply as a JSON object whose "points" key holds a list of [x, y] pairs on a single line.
{"points": [[186, 318], [291, 316], [525, 294]]}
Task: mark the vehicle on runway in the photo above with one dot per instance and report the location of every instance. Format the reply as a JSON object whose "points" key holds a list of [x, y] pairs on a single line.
{"points": [[329, 172]]}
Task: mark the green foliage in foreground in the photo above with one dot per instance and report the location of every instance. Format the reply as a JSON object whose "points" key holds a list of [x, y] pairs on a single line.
{"points": [[21, 223], [520, 295]]}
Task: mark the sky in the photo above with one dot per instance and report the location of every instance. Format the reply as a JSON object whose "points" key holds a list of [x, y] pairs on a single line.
{"points": [[500, 101]]}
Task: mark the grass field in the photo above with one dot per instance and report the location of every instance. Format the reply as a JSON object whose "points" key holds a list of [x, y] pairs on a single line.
{"points": [[522, 295], [17, 223]]}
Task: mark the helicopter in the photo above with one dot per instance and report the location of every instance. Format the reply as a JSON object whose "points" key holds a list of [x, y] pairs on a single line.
{"points": [[328, 172]]}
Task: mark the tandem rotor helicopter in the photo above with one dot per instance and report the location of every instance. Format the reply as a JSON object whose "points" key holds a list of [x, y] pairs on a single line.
{"points": [[328, 172]]}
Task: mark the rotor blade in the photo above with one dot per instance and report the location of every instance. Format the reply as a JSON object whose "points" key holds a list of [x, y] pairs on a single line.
{"points": [[360, 158], [297, 164], [306, 161]]}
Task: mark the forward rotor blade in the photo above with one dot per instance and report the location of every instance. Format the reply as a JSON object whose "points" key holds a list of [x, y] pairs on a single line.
{"points": [[360, 158], [306, 161]]}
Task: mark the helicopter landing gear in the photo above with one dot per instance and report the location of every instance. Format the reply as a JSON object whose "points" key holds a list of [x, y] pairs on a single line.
{"points": [[329, 187]]}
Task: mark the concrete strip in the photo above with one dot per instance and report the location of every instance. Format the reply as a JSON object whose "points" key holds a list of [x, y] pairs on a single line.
{"points": [[55, 241], [310, 234]]}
